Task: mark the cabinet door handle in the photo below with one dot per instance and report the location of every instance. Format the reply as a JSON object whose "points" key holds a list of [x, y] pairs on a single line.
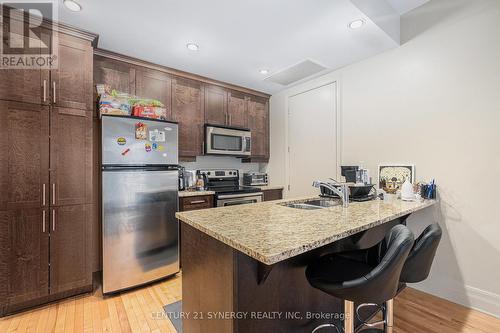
{"points": [[43, 195], [45, 90], [226, 120], [43, 221], [230, 120], [53, 220], [54, 91], [54, 193], [197, 202]]}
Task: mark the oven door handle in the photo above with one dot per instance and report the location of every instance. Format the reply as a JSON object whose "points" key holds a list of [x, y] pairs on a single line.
{"points": [[242, 195]]}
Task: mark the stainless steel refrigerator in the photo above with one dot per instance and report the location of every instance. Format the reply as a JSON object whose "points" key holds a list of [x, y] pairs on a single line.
{"points": [[140, 233]]}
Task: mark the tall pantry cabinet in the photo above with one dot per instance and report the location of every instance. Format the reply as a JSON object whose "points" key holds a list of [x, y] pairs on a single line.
{"points": [[46, 201]]}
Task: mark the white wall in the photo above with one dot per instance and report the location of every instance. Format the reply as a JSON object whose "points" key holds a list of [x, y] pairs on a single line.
{"points": [[222, 162], [434, 101]]}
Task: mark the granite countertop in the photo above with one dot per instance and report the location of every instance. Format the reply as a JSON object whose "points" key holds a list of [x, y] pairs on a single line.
{"points": [[270, 232], [183, 194]]}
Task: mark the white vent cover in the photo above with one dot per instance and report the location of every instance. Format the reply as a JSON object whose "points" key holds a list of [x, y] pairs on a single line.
{"points": [[295, 73]]}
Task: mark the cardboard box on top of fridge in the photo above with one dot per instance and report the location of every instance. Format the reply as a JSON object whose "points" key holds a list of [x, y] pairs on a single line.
{"points": [[114, 105], [153, 112]]}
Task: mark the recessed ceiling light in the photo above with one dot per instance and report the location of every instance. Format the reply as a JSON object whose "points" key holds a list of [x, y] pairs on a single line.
{"points": [[356, 24], [264, 71], [72, 5], [192, 47]]}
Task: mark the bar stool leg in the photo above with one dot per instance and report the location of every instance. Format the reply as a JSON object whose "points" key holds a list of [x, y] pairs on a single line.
{"points": [[389, 313], [349, 317]]}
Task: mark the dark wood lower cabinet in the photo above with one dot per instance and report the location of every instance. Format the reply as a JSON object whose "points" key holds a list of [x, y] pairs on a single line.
{"points": [[29, 276], [24, 246], [69, 248], [274, 194], [196, 202]]}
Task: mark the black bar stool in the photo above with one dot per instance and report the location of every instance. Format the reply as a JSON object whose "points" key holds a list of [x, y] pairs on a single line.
{"points": [[358, 282], [419, 262]]}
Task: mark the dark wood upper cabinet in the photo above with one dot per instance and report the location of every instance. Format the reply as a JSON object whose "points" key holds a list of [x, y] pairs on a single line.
{"points": [[71, 81], [69, 248], [237, 109], [155, 85], [24, 158], [25, 85], [24, 256], [187, 110], [258, 122], [117, 74], [71, 157], [216, 105]]}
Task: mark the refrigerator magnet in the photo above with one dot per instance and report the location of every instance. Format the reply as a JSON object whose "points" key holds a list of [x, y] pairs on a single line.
{"points": [[125, 152], [155, 146], [147, 146], [121, 141], [160, 148], [157, 136], [141, 131]]}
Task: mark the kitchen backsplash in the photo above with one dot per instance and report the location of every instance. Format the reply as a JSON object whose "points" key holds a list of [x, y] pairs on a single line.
{"points": [[222, 162]]}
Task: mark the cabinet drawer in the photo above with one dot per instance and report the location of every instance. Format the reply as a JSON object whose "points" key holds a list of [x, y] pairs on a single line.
{"points": [[197, 202]]}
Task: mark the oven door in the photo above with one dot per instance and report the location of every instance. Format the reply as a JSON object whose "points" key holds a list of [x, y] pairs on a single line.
{"points": [[227, 141], [238, 199]]}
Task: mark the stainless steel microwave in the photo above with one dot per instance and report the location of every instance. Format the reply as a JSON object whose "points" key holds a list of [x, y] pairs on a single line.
{"points": [[227, 141]]}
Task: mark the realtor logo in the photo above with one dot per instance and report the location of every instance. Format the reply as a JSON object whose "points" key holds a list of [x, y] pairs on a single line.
{"points": [[27, 33]]}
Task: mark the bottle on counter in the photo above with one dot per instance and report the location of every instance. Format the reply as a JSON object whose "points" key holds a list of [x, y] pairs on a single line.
{"points": [[200, 183]]}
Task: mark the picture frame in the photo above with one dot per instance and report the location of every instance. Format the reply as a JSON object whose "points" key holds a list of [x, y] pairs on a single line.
{"points": [[387, 172]]}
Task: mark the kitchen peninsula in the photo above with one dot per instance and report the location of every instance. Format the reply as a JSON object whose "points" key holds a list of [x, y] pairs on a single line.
{"points": [[250, 259]]}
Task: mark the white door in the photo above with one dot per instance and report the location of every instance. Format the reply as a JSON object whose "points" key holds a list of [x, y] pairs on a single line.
{"points": [[312, 135]]}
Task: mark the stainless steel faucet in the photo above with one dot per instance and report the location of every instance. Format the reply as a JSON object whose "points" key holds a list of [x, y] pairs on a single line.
{"points": [[342, 191]]}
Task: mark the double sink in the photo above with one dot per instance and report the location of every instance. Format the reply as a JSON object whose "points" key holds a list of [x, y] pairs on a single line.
{"points": [[311, 204]]}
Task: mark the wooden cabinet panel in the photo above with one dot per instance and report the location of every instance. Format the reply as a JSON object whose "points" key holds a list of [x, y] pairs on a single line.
{"points": [[215, 105], [71, 84], [25, 85], [24, 265], [96, 238], [69, 257], [187, 109], [275, 194], [156, 85], [71, 157], [258, 122], [237, 109], [196, 202], [24, 155], [118, 75]]}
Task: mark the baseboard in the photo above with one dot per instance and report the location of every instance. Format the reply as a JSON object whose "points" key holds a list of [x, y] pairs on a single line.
{"points": [[471, 297]]}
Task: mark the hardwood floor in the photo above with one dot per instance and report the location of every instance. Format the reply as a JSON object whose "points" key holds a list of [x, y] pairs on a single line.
{"points": [[133, 311]]}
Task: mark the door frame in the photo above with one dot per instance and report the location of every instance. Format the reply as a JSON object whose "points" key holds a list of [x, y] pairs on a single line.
{"points": [[302, 88]]}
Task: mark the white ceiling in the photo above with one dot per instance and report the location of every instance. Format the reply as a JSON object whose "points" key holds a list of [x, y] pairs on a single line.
{"points": [[237, 38], [404, 6]]}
